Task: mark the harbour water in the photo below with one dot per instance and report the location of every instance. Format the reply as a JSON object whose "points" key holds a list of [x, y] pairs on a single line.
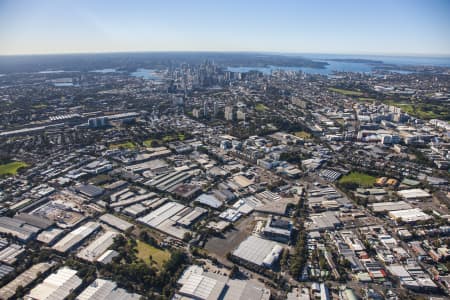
{"points": [[148, 74], [346, 66]]}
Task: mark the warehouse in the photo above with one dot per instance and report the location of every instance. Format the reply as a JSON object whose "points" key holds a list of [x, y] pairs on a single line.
{"points": [[5, 270], [133, 200], [278, 229], [324, 221], [258, 251], [242, 181], [224, 195], [107, 257], [76, 236], [165, 219], [191, 216], [11, 254], [102, 289], [389, 206], [58, 285], [155, 167], [209, 200], [185, 192], [199, 284], [116, 222], [97, 247], [24, 279], [414, 194], [90, 190], [18, 228], [161, 214], [409, 215], [135, 210], [50, 236], [167, 181], [36, 221]]}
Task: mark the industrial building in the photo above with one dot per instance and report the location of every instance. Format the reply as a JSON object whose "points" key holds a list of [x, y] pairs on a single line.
{"points": [[56, 286], [258, 251], [199, 284], [33, 220], [76, 236], [414, 194], [209, 200], [11, 253], [409, 215], [107, 257], [170, 181], [132, 200], [324, 221], [185, 192], [389, 206], [102, 289], [18, 228], [24, 279], [5, 270], [98, 246], [172, 218], [277, 229], [50, 236], [89, 190]]}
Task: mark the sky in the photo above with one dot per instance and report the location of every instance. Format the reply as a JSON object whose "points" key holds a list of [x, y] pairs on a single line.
{"points": [[386, 27]]}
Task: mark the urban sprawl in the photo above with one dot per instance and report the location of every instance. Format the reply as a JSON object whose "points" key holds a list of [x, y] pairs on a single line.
{"points": [[190, 181]]}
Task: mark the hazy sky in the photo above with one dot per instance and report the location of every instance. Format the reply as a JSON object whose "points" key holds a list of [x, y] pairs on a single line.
{"points": [[314, 26]]}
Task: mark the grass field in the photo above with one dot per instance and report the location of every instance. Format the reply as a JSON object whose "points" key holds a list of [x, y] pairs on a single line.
{"points": [[165, 139], [170, 138], [12, 167], [366, 99], [420, 111], [158, 256], [302, 134], [127, 145], [346, 92], [260, 107], [148, 143], [358, 178]]}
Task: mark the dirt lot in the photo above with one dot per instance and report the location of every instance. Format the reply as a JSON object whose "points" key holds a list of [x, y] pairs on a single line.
{"points": [[220, 247]]}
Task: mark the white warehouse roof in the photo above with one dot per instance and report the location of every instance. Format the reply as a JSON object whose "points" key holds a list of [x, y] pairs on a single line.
{"points": [[413, 194], [258, 251], [57, 286], [409, 215], [102, 289]]}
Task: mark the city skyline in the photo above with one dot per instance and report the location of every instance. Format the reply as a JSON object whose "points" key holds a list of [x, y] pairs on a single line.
{"points": [[348, 27]]}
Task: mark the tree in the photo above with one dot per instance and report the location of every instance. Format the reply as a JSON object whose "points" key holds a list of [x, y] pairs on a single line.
{"points": [[234, 271], [187, 236]]}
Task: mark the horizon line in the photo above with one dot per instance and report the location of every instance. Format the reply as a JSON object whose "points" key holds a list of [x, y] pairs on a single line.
{"points": [[395, 54]]}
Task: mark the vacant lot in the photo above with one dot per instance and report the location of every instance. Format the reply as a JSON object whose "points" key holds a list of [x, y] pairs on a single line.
{"points": [[346, 92], [12, 167], [358, 178], [158, 256], [222, 246]]}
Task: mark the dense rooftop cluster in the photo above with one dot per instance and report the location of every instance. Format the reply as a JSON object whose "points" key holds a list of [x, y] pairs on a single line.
{"points": [[195, 182]]}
